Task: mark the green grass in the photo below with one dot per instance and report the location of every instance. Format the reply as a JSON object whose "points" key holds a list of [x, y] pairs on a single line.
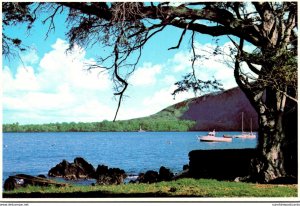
{"points": [[180, 188]]}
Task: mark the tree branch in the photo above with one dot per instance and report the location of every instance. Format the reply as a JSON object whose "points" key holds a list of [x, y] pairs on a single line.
{"points": [[261, 7], [51, 18], [183, 33], [116, 73], [99, 9], [253, 68], [217, 30]]}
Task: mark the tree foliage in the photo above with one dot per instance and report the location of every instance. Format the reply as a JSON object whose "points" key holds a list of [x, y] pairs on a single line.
{"points": [[148, 124]]}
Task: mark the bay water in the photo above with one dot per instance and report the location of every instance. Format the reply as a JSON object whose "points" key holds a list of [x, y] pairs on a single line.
{"points": [[134, 152]]}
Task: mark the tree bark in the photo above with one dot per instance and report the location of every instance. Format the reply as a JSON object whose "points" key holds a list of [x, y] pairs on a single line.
{"points": [[269, 164], [275, 148]]}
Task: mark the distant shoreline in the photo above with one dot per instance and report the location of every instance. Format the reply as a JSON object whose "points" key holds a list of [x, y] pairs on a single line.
{"points": [[147, 124], [125, 131]]}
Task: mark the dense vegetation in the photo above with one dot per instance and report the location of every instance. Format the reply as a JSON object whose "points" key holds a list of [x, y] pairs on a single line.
{"points": [[166, 120], [148, 124], [179, 188]]}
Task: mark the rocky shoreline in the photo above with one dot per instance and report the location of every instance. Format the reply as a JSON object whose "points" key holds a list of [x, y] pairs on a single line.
{"points": [[80, 169], [227, 164]]}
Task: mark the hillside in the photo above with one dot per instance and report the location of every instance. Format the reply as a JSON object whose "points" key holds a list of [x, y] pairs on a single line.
{"points": [[220, 111]]}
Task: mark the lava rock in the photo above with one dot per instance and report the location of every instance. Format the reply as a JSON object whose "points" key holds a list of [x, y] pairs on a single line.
{"points": [[109, 176], [80, 169], [185, 167], [149, 177], [10, 184], [165, 174], [87, 169]]}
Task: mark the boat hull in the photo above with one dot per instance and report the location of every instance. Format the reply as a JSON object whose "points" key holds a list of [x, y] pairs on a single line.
{"points": [[214, 139], [246, 136]]}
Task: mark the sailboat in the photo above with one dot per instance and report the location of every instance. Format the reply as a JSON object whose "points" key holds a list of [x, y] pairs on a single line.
{"points": [[141, 130], [245, 134]]}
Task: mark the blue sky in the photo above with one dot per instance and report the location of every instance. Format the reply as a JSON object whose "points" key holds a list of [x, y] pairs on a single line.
{"points": [[52, 86]]}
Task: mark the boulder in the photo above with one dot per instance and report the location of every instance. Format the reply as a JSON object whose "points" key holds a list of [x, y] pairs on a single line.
{"points": [[109, 176], [10, 184], [221, 164], [80, 169], [23, 180], [185, 167], [183, 174], [58, 170], [42, 176], [101, 169], [87, 169], [165, 174], [149, 177]]}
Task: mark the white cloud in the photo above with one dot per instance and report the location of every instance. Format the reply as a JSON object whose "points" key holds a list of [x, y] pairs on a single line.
{"points": [[24, 80], [163, 98], [145, 75], [181, 61], [59, 88], [30, 57], [213, 66], [169, 79], [56, 87]]}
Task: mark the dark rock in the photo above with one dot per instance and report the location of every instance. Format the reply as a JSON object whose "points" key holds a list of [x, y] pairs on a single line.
{"points": [[23, 180], [87, 169], [10, 184], [221, 164], [183, 174], [101, 169], [132, 182], [149, 177], [42, 176], [80, 169], [105, 180], [165, 174], [109, 176], [59, 169], [185, 167], [140, 178], [71, 171]]}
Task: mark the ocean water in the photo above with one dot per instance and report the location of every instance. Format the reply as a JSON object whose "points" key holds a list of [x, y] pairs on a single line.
{"points": [[134, 152]]}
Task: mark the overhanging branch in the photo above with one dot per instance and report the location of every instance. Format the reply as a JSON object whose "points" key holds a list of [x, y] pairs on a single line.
{"points": [[181, 37]]}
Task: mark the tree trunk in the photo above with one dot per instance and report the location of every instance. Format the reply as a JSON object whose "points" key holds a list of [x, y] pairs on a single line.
{"points": [[276, 151], [269, 163]]}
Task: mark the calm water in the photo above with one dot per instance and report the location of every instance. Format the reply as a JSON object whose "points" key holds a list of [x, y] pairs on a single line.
{"points": [[135, 152]]}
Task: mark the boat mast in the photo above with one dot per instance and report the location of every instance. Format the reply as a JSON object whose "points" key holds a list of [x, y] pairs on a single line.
{"points": [[242, 122], [251, 126]]}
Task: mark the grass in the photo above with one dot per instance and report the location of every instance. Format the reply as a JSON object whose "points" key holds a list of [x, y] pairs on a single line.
{"points": [[180, 188]]}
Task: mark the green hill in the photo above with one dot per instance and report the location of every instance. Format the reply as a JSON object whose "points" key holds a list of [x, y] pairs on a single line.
{"points": [[219, 110]]}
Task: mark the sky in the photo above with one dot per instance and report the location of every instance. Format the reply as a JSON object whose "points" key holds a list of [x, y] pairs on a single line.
{"points": [[50, 85]]}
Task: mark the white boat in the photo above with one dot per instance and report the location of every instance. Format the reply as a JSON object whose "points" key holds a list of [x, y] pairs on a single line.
{"points": [[211, 137], [245, 134], [141, 130]]}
